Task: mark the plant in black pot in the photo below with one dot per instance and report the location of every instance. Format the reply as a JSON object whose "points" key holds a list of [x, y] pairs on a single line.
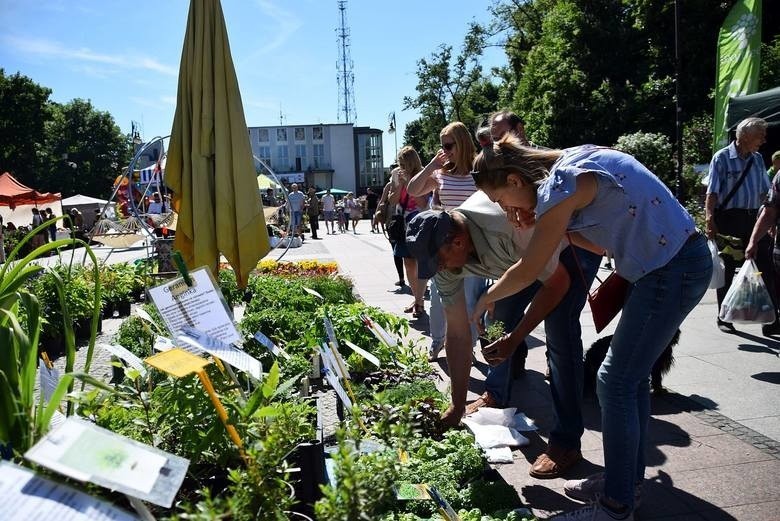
{"points": [[493, 332]]}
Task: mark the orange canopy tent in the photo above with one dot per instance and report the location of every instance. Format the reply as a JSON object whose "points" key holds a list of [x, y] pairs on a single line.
{"points": [[13, 193]]}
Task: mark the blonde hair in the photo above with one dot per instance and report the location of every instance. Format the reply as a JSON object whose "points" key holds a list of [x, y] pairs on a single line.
{"points": [[409, 161], [508, 156], [464, 146]]}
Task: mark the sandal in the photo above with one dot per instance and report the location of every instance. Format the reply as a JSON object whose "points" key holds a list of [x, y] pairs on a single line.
{"points": [[419, 310], [411, 308]]}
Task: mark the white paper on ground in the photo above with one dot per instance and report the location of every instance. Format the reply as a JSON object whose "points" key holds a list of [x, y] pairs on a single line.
{"points": [[489, 436], [494, 416], [523, 423], [499, 455], [228, 353], [127, 356], [27, 496]]}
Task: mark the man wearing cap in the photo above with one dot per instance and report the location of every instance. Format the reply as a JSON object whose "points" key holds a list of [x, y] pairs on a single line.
{"points": [[476, 239]]}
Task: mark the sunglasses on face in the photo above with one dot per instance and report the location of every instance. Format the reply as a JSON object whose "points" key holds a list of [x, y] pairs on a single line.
{"points": [[448, 146]]}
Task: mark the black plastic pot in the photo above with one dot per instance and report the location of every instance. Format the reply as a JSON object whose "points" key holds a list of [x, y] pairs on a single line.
{"points": [[309, 457]]}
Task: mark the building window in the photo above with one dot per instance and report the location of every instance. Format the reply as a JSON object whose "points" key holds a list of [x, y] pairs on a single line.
{"points": [[300, 157], [371, 161], [316, 133], [282, 158], [281, 134], [318, 155], [262, 135], [264, 153], [300, 134]]}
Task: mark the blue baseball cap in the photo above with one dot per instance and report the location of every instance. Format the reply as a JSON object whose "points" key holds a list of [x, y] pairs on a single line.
{"points": [[425, 234]]}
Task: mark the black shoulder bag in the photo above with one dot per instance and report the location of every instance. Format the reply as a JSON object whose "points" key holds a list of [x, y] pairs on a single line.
{"points": [[396, 226]]}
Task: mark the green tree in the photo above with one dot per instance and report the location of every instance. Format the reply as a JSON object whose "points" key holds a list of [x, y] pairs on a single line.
{"points": [[769, 73], [24, 111], [449, 88], [87, 149]]}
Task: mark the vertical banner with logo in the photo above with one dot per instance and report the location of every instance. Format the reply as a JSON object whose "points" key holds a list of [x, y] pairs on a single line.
{"points": [[739, 53]]}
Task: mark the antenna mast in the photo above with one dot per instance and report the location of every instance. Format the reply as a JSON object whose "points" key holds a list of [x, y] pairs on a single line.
{"points": [[345, 77]]}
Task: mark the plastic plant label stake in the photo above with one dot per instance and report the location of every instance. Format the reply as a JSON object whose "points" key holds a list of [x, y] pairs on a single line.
{"points": [[177, 362], [273, 348], [362, 352]]}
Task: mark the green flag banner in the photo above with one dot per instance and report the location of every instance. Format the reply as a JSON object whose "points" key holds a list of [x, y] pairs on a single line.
{"points": [[739, 49]]}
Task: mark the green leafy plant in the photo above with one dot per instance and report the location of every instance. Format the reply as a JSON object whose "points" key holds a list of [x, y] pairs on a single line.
{"points": [[22, 418], [493, 331]]}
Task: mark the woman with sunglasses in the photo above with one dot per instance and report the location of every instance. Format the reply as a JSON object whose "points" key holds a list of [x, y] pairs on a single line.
{"points": [[606, 200], [447, 176]]}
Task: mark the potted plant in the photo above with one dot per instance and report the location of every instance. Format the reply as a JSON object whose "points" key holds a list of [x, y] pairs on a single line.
{"points": [[493, 332]]}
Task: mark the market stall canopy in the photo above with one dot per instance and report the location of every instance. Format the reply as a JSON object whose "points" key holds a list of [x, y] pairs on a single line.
{"points": [[765, 105], [13, 193], [210, 166], [334, 191], [83, 200]]}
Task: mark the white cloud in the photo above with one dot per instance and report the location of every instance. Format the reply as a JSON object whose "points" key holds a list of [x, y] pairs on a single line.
{"points": [[280, 27], [55, 50]]}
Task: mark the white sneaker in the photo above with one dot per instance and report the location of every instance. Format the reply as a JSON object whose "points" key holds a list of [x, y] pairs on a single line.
{"points": [[434, 349], [588, 489], [593, 512]]}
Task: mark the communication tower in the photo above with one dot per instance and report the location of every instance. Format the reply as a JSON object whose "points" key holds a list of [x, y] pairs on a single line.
{"points": [[345, 76]]}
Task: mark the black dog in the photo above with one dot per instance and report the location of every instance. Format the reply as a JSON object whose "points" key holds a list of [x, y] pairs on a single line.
{"points": [[598, 351]]}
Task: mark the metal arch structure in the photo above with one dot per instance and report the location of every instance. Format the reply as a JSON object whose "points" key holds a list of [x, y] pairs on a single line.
{"points": [[286, 201]]}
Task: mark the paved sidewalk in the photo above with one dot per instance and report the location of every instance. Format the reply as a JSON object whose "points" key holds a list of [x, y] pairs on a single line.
{"points": [[714, 449]]}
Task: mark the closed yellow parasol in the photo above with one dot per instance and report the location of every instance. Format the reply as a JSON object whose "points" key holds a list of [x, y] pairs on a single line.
{"points": [[210, 166]]}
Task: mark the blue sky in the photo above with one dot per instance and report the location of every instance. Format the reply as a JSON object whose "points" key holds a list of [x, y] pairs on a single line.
{"points": [[124, 56]]}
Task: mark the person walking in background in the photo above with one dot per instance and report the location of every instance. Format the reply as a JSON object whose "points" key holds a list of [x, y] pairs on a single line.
{"points": [[383, 212], [447, 175], [408, 205], [737, 187], [329, 211], [351, 211], [39, 239], [313, 211], [2, 241], [371, 202], [297, 201], [605, 200]]}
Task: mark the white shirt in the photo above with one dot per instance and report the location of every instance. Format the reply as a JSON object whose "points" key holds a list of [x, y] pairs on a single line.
{"points": [[328, 203]]}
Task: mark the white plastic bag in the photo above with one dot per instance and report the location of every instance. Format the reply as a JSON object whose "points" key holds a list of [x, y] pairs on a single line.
{"points": [[718, 269], [747, 301]]}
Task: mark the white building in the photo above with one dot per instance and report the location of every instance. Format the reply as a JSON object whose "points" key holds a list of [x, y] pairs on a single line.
{"points": [[325, 155]]}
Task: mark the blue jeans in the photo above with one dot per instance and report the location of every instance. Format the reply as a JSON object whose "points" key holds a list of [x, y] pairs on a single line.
{"points": [[510, 311], [473, 288], [564, 348], [656, 306], [295, 219]]}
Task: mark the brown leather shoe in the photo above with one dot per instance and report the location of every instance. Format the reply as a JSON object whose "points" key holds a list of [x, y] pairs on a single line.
{"points": [[486, 400], [554, 462]]}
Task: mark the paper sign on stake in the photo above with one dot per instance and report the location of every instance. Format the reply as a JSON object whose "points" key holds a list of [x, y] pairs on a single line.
{"points": [[51, 500], [163, 343], [201, 306], [273, 348], [362, 352], [49, 379], [225, 352], [128, 357], [177, 362], [83, 451]]}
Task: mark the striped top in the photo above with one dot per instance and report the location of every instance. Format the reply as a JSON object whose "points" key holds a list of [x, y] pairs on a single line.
{"points": [[725, 170], [454, 189]]}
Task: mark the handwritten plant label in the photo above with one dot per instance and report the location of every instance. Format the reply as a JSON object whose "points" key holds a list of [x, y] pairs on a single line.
{"points": [[201, 306]]}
